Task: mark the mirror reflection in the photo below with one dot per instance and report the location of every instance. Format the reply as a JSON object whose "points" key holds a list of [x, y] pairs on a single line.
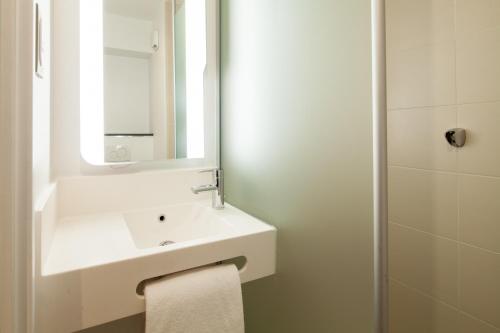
{"points": [[153, 91]]}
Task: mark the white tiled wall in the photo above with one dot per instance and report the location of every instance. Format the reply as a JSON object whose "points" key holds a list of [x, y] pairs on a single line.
{"points": [[444, 204]]}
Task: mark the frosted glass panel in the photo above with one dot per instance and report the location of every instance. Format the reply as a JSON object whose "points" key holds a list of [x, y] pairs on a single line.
{"points": [[297, 152]]}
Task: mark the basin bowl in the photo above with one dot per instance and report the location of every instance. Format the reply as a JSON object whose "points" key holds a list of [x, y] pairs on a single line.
{"points": [[175, 224]]}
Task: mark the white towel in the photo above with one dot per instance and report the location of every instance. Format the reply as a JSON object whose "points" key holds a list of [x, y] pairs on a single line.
{"points": [[201, 300]]}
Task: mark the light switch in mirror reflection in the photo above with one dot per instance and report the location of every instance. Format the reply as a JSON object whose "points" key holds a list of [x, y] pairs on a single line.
{"points": [[144, 89]]}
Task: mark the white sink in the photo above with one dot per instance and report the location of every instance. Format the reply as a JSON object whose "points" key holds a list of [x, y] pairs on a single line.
{"points": [[97, 261], [175, 224], [97, 241]]}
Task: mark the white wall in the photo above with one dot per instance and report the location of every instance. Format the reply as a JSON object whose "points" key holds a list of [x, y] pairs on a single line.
{"points": [[24, 147], [7, 116], [126, 94], [41, 147], [158, 86], [127, 33], [135, 77], [128, 74], [444, 236], [42, 111]]}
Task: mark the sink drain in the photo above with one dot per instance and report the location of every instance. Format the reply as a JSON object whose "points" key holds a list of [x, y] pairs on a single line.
{"points": [[166, 242]]}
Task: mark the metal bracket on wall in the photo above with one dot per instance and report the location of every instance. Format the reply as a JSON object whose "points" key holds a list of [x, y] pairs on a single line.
{"points": [[456, 137]]}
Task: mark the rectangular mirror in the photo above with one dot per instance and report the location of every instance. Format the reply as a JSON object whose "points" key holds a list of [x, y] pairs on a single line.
{"points": [[148, 80]]}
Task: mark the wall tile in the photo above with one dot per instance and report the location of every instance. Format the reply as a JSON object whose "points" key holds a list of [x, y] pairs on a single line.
{"points": [[444, 72], [479, 202], [468, 324], [423, 76], [481, 154], [424, 200], [412, 312], [479, 284], [424, 262], [478, 67], [476, 16], [413, 23], [416, 138]]}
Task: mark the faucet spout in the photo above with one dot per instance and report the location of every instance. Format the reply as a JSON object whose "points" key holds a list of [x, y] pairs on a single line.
{"points": [[217, 188]]}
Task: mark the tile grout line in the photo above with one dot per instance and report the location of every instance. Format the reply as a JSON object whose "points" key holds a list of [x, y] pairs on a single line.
{"points": [[437, 300], [435, 106], [392, 50], [457, 120], [444, 238], [455, 173], [455, 47]]}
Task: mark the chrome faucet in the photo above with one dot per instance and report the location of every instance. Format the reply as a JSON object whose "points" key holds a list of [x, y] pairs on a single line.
{"points": [[217, 188]]}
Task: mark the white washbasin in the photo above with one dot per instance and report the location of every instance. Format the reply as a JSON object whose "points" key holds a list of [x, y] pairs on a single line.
{"points": [[97, 247], [97, 261], [175, 224]]}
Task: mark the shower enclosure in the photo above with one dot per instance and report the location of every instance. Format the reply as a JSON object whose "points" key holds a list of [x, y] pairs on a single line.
{"points": [[303, 145], [313, 103]]}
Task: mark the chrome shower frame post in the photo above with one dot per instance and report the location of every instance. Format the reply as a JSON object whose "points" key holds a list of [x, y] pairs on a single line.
{"points": [[380, 197]]}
